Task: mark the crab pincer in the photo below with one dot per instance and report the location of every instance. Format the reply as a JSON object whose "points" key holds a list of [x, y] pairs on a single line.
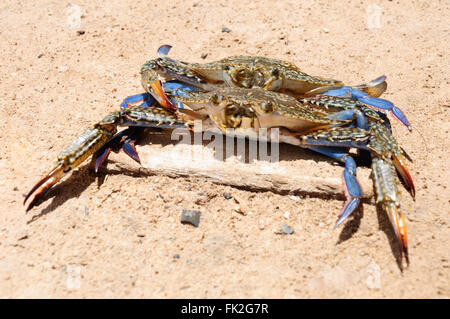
{"points": [[74, 154]]}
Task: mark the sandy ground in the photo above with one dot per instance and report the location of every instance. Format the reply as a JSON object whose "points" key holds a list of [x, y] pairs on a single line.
{"points": [[118, 234]]}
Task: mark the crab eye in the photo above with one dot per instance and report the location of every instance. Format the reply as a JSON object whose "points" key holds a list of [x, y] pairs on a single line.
{"points": [[267, 106], [216, 98], [275, 72]]}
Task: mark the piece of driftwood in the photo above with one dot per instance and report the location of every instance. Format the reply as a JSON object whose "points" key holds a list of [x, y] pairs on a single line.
{"points": [[197, 161]]}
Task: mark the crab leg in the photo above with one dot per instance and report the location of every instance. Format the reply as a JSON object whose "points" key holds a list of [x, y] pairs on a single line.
{"points": [[383, 148], [74, 154], [377, 103], [389, 197], [95, 138], [352, 189], [127, 138]]}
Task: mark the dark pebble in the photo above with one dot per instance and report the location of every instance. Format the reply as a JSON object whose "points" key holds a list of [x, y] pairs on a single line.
{"points": [[176, 256], [81, 32], [189, 216], [227, 196], [226, 30], [141, 235], [40, 55], [285, 229], [204, 55], [16, 189]]}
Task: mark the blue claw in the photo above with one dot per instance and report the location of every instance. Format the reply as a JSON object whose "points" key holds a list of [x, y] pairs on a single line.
{"points": [[130, 149], [141, 99], [101, 158], [124, 140]]}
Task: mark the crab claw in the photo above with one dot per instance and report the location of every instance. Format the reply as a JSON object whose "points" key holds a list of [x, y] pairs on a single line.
{"points": [[44, 185], [402, 169], [398, 223], [158, 93]]}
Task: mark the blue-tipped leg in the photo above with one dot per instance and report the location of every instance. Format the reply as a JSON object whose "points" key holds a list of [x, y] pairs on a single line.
{"points": [[352, 189], [125, 140], [164, 50], [377, 103]]}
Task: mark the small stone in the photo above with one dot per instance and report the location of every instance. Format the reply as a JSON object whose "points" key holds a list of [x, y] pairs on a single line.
{"points": [[40, 55], [189, 216], [176, 256], [81, 32], [15, 188], [261, 225], [294, 198], [286, 215], [141, 235], [204, 55], [285, 229], [226, 30], [227, 196]]}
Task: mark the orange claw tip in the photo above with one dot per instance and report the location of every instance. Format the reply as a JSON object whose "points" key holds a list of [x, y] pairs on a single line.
{"points": [[44, 185], [399, 225], [401, 167], [161, 96]]}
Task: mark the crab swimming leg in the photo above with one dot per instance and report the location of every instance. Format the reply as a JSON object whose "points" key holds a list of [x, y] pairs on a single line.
{"points": [[93, 139]]}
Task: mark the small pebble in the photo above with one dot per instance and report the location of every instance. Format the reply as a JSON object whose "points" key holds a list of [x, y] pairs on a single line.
{"points": [[261, 225], [176, 256], [81, 32], [294, 198], [227, 196], [226, 30], [40, 55], [141, 235], [189, 216], [204, 55], [285, 229], [16, 188]]}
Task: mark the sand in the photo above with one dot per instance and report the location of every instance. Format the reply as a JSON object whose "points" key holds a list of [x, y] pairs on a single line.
{"points": [[118, 233]]}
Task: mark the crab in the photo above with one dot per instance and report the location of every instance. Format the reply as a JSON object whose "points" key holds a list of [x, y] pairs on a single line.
{"points": [[326, 124]]}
